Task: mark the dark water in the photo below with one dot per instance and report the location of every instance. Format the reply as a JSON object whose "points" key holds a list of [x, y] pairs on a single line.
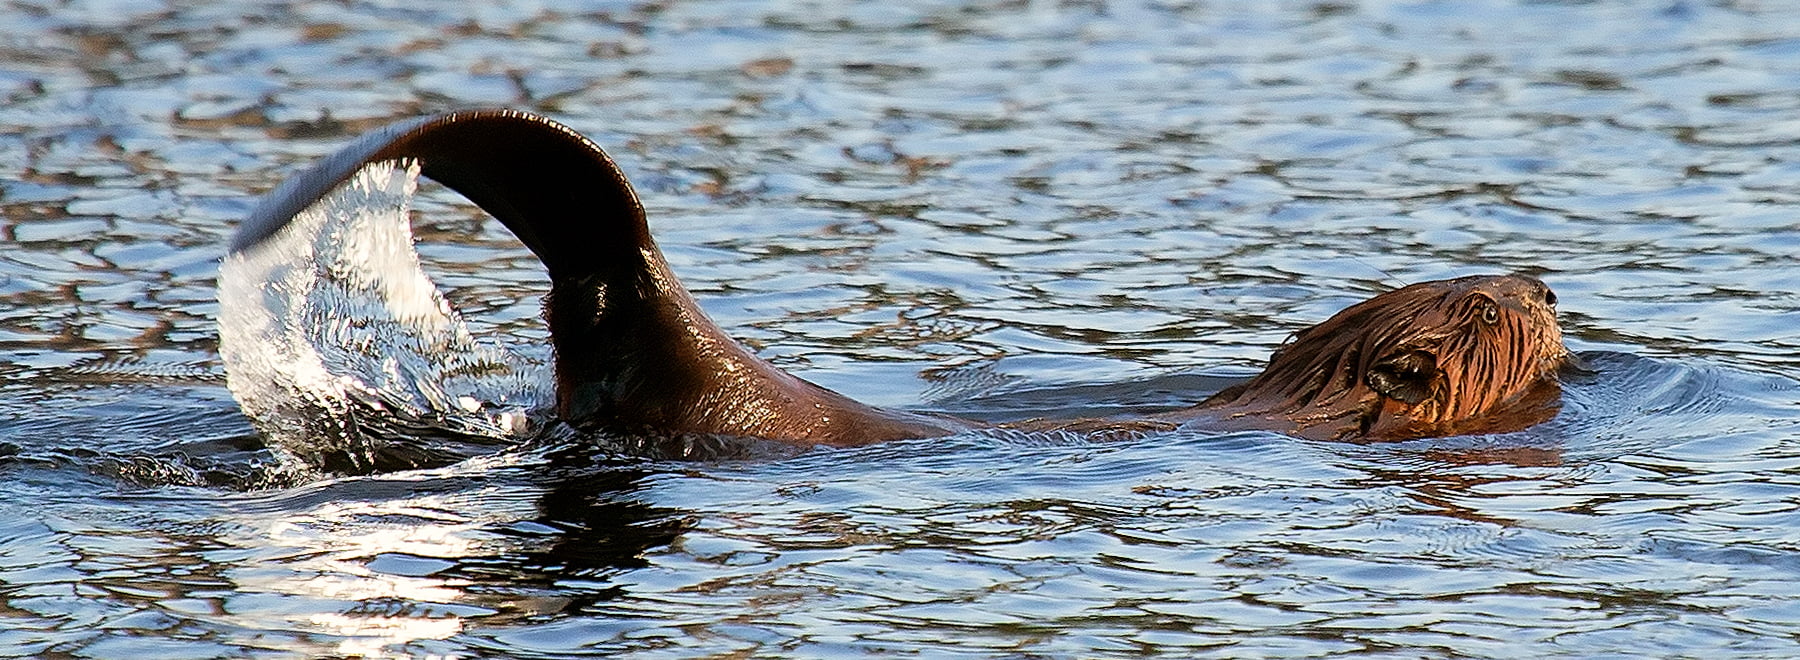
{"points": [[999, 207]]}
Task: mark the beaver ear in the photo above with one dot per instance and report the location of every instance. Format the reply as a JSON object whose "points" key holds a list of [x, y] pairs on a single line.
{"points": [[1406, 376]]}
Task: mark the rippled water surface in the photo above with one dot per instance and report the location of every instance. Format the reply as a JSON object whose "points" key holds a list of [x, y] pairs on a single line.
{"points": [[995, 208]]}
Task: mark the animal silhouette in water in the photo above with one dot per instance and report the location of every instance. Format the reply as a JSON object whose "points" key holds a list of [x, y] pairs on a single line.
{"points": [[634, 353]]}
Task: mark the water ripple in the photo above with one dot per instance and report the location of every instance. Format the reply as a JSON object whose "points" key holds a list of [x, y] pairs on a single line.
{"points": [[996, 209]]}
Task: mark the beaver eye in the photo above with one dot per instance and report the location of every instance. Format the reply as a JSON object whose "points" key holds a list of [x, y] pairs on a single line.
{"points": [[1490, 314]]}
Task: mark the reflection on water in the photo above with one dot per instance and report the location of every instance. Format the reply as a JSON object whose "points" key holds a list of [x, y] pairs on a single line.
{"points": [[994, 208], [374, 566], [410, 562]]}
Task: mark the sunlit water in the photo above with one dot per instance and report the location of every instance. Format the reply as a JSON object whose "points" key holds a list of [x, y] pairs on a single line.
{"points": [[999, 209]]}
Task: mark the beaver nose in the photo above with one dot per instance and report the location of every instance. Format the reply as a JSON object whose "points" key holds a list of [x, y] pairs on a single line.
{"points": [[1549, 297]]}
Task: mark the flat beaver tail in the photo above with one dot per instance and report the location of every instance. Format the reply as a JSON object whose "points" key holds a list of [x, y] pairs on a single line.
{"points": [[564, 198], [634, 352]]}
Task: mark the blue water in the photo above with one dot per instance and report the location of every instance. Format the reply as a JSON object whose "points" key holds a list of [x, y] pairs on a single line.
{"points": [[991, 208]]}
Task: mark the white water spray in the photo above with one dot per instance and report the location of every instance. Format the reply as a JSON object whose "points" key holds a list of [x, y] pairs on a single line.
{"points": [[331, 325]]}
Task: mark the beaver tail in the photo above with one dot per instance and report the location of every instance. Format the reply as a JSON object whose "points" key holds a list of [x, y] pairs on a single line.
{"points": [[634, 352], [556, 190]]}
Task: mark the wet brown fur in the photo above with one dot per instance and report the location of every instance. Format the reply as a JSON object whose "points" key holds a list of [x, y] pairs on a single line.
{"points": [[1468, 355]]}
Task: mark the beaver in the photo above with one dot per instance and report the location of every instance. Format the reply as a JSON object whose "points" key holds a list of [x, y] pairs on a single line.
{"points": [[1477, 354], [634, 353]]}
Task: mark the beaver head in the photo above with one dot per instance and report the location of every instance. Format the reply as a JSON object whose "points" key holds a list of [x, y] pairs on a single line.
{"points": [[1468, 355]]}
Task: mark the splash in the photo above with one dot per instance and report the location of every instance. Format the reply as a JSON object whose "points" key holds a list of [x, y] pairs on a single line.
{"points": [[347, 356]]}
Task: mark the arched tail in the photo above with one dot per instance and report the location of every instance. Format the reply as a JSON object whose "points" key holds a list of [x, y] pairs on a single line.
{"points": [[634, 352], [556, 190]]}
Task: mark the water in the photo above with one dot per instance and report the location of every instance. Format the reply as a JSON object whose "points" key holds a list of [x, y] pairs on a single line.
{"points": [[994, 208]]}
